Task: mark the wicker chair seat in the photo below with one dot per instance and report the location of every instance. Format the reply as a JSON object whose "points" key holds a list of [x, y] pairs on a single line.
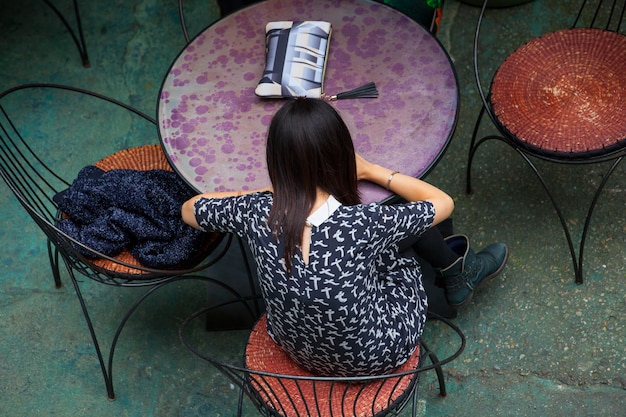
{"points": [[144, 158], [293, 391], [562, 94]]}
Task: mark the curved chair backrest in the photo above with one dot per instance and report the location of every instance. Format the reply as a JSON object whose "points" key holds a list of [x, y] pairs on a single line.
{"points": [[602, 14], [277, 386], [35, 174]]}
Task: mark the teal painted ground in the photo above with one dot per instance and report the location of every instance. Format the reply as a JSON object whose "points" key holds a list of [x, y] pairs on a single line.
{"points": [[537, 344]]}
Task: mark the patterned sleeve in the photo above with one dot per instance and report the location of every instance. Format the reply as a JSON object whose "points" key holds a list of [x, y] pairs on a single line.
{"points": [[231, 214], [398, 221]]}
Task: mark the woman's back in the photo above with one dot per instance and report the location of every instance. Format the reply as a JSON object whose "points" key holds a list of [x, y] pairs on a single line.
{"points": [[339, 298], [356, 307]]}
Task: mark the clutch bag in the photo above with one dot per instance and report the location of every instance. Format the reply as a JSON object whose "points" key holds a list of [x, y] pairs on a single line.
{"points": [[295, 61]]}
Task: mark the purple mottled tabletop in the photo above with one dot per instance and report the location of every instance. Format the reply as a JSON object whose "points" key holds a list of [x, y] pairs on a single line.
{"points": [[213, 127]]}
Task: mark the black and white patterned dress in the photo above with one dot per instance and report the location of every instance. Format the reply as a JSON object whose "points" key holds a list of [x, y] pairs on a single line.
{"points": [[357, 308]]}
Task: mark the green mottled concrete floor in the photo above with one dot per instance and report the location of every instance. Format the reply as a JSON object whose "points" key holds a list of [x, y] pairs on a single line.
{"points": [[537, 343]]}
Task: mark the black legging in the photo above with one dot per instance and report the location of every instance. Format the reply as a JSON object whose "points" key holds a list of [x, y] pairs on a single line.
{"points": [[431, 247]]}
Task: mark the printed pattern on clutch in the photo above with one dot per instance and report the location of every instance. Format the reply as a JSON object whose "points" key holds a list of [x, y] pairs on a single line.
{"points": [[295, 61]]}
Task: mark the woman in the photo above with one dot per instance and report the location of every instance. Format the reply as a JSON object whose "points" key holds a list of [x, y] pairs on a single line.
{"points": [[340, 299]]}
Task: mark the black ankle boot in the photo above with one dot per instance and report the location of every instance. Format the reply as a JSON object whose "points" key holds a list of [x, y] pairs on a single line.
{"points": [[471, 269]]}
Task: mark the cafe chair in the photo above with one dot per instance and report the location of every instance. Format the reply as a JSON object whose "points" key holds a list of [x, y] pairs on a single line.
{"points": [[184, 23], [425, 12], [77, 36], [277, 386], [561, 98], [38, 118], [428, 13]]}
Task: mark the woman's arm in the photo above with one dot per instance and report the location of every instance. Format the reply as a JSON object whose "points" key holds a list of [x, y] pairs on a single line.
{"points": [[407, 187], [188, 212]]}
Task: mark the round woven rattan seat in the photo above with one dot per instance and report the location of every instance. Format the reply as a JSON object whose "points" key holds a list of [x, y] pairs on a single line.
{"points": [[288, 397], [143, 158], [563, 94]]}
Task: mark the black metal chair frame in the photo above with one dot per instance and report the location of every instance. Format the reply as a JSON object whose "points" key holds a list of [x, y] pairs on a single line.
{"points": [[242, 377], [78, 36], [183, 23], [431, 26], [33, 183], [528, 154]]}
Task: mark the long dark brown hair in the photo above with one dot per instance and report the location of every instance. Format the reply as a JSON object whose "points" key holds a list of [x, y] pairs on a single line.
{"points": [[308, 146]]}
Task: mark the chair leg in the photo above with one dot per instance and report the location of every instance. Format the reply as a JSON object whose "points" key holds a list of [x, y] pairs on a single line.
{"points": [[240, 403], [472, 151], [120, 327], [557, 208], [144, 296], [79, 40], [596, 196], [414, 405], [474, 145], [577, 259], [183, 24], [107, 378], [107, 371], [53, 256], [435, 361]]}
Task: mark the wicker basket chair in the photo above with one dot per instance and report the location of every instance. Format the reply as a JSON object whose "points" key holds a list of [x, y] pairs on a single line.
{"points": [[276, 386], [561, 98], [35, 175]]}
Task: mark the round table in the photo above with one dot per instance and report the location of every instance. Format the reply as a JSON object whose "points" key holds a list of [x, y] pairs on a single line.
{"points": [[213, 127]]}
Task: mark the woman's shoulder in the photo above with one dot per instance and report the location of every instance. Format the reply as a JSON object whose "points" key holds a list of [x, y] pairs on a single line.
{"points": [[359, 210], [261, 196], [254, 202], [377, 209]]}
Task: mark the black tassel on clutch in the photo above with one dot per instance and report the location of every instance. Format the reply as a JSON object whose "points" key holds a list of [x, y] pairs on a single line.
{"points": [[368, 90]]}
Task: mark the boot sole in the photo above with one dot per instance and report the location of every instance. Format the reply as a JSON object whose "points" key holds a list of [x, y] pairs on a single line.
{"points": [[487, 278]]}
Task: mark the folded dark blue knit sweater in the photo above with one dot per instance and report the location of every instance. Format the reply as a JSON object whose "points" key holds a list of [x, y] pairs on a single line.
{"points": [[136, 210]]}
